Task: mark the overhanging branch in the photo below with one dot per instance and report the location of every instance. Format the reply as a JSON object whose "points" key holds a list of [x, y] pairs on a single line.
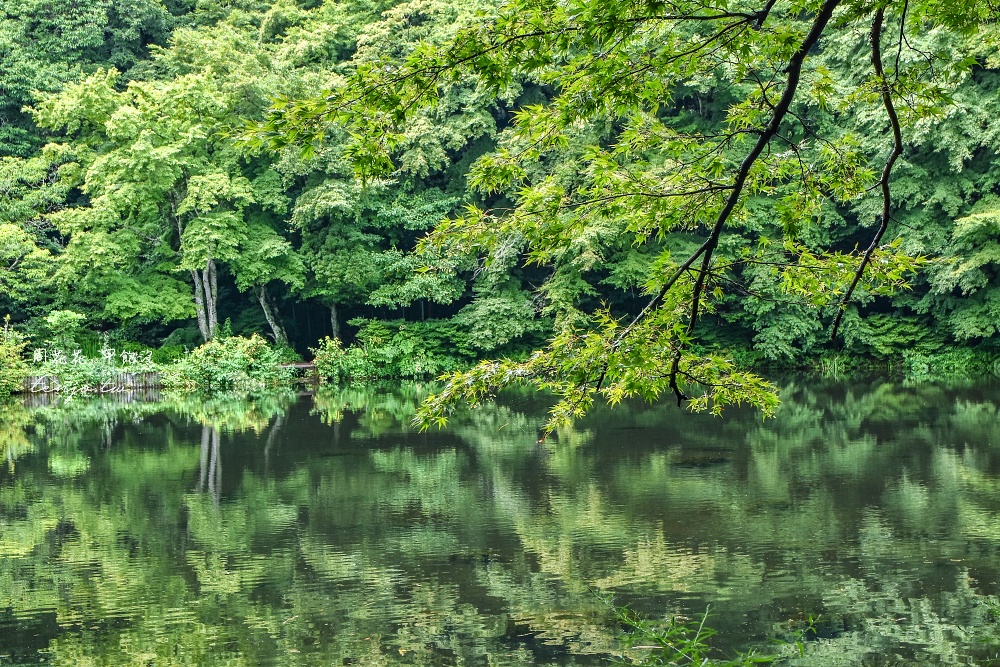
{"points": [[897, 150], [707, 249], [794, 70]]}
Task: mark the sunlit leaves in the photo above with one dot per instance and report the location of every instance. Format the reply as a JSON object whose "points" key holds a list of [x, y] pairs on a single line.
{"points": [[167, 191], [974, 252], [612, 362], [822, 277], [23, 265], [976, 247], [204, 192], [606, 162]]}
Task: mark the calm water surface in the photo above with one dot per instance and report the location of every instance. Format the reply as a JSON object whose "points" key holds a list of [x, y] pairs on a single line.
{"points": [[862, 522]]}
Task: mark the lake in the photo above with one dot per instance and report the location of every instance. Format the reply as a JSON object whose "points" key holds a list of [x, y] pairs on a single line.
{"points": [[861, 526]]}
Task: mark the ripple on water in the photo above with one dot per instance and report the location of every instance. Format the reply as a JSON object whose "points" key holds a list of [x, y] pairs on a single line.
{"points": [[440, 554]]}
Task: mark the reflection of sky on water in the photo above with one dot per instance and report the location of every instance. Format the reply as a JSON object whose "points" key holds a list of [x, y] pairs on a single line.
{"points": [[327, 531]]}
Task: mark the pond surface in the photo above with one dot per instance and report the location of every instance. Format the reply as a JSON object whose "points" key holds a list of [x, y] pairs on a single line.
{"points": [[863, 522]]}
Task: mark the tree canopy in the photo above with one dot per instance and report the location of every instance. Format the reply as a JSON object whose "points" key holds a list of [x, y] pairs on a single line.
{"points": [[605, 200], [736, 147]]}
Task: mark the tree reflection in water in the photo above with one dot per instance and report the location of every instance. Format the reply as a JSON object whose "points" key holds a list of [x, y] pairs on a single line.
{"points": [[211, 464], [341, 535]]}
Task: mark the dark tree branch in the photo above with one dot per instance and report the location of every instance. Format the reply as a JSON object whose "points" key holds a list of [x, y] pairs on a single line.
{"points": [[902, 38], [794, 70], [706, 250], [762, 15], [897, 150]]}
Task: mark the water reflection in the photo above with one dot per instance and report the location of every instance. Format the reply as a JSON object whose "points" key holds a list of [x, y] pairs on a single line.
{"points": [[211, 466], [327, 531]]}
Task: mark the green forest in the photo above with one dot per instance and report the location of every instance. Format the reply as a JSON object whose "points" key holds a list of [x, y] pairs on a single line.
{"points": [[603, 200]]}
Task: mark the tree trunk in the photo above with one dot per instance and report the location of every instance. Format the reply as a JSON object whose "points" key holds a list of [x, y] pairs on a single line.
{"points": [[211, 289], [199, 306], [334, 321], [271, 315], [214, 313]]}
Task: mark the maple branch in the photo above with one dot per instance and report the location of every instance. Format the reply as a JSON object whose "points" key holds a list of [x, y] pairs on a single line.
{"points": [[897, 150], [794, 71]]}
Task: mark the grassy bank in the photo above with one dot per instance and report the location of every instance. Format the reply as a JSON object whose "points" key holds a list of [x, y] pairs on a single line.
{"points": [[251, 364], [225, 364]]}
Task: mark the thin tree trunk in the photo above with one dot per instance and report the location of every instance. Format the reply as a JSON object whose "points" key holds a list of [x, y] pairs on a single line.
{"points": [[209, 306], [199, 306], [271, 315], [211, 288], [215, 297], [334, 321]]}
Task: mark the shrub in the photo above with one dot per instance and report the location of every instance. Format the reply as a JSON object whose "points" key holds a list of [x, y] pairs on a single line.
{"points": [[63, 327], [168, 354], [233, 362], [395, 350], [13, 368], [334, 363], [287, 354]]}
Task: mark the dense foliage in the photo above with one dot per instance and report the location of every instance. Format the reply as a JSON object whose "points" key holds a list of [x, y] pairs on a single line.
{"points": [[613, 199], [231, 362], [13, 369], [732, 153]]}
